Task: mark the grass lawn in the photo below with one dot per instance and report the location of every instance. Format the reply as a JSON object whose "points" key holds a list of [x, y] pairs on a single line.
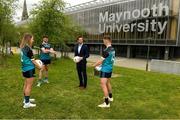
{"points": [[137, 94]]}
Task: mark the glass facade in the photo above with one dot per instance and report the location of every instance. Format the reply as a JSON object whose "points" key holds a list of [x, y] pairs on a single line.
{"points": [[138, 22]]}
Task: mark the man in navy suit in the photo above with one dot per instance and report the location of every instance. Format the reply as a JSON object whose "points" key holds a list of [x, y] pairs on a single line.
{"points": [[82, 51]]}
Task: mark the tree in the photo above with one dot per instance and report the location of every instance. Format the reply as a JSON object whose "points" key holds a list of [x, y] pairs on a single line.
{"points": [[7, 28], [48, 18]]}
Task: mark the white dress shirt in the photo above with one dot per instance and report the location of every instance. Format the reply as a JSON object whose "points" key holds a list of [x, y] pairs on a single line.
{"points": [[79, 47]]}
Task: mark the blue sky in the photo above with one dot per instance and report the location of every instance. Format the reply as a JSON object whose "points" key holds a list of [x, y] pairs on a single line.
{"points": [[17, 16]]}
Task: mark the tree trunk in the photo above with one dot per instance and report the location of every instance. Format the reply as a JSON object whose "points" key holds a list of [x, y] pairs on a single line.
{"points": [[3, 44]]}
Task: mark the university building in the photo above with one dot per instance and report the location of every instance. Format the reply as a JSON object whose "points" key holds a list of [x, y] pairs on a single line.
{"points": [[135, 26]]}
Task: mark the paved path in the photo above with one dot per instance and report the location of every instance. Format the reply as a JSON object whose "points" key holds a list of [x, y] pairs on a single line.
{"points": [[122, 62]]}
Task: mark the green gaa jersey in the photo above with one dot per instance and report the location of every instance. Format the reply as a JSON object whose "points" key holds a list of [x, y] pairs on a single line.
{"points": [[45, 56], [26, 59], [109, 57]]}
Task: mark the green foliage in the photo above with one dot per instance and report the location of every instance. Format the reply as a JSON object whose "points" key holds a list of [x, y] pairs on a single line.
{"points": [[22, 30], [48, 18], [7, 28]]}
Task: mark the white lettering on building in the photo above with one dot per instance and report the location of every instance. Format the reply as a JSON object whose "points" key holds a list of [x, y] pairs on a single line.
{"points": [[111, 22]]}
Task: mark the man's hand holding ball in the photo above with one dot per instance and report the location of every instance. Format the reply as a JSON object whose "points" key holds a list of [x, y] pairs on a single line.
{"points": [[77, 59]]}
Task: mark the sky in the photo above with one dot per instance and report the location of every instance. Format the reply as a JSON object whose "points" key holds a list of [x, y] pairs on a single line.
{"points": [[30, 3]]}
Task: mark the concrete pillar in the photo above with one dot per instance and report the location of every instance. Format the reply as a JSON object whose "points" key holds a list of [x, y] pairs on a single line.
{"points": [[128, 51], [172, 53], [166, 53], [158, 54]]}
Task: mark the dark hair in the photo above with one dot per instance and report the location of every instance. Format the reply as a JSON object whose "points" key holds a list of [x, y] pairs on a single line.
{"points": [[107, 37], [45, 36], [80, 37]]}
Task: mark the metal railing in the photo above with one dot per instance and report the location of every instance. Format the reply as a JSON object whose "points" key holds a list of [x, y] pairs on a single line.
{"points": [[93, 4]]}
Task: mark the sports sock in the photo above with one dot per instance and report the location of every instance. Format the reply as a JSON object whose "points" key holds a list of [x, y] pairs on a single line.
{"points": [[39, 81], [110, 95], [26, 99], [106, 101]]}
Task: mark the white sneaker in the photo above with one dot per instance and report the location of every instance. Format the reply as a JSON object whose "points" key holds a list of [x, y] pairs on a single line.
{"points": [[29, 105], [30, 100], [39, 84], [110, 99], [46, 81], [104, 105]]}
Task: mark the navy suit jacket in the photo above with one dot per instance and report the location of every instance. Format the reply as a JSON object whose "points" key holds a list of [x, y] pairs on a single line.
{"points": [[84, 52]]}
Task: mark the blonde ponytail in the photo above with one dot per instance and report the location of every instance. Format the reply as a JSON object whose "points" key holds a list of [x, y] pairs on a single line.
{"points": [[26, 40]]}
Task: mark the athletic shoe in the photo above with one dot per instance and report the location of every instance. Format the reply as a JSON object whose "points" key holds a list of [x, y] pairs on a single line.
{"points": [[30, 100], [82, 88], [39, 84], [45, 81], [29, 105], [110, 99], [104, 105]]}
